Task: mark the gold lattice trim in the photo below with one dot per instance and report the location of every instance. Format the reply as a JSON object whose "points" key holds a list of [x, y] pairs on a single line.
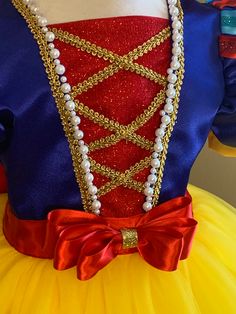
{"points": [[126, 132], [121, 131], [118, 178], [125, 62]]}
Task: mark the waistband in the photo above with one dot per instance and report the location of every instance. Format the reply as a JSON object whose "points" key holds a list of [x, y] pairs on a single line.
{"points": [[162, 236]]}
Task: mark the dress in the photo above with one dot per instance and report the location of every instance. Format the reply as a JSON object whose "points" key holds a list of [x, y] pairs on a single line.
{"points": [[120, 109]]}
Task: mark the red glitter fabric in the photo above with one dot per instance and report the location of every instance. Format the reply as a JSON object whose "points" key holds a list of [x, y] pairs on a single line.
{"points": [[121, 97]]}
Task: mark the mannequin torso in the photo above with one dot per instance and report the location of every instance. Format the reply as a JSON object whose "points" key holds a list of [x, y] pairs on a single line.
{"points": [[64, 11]]}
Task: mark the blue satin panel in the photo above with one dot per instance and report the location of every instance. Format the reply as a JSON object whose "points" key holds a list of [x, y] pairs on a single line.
{"points": [[37, 157]]}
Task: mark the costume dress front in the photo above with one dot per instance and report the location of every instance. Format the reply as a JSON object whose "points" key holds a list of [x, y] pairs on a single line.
{"points": [[117, 69]]}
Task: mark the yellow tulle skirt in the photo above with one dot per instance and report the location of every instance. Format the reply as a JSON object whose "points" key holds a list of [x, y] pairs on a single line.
{"points": [[204, 283]]}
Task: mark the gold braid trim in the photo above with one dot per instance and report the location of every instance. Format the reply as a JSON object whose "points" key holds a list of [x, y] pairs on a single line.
{"points": [[121, 178], [118, 62], [122, 131]]}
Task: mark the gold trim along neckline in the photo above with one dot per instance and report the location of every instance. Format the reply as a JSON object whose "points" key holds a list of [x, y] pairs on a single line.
{"points": [[126, 62]]}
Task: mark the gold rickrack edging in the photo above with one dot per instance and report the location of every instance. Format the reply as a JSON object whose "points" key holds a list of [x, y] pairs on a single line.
{"points": [[58, 96], [118, 62]]}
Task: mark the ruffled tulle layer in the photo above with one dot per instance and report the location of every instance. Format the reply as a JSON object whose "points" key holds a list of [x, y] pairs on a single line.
{"points": [[204, 283]]}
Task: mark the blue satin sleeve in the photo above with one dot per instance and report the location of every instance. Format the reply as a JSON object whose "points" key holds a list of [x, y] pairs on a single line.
{"points": [[224, 124]]}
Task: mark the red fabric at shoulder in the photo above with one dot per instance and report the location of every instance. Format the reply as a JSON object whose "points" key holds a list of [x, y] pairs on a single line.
{"points": [[3, 180], [228, 46], [224, 3]]}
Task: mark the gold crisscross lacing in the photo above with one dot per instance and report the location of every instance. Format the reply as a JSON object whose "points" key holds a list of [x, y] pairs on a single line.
{"points": [[120, 132]]}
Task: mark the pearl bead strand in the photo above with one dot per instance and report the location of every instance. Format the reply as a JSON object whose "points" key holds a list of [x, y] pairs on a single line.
{"points": [[75, 119]]}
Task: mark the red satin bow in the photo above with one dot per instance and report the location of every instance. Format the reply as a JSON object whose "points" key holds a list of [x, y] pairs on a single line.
{"points": [[91, 242]]}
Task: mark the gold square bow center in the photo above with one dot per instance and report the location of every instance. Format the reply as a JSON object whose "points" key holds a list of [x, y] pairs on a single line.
{"points": [[130, 238]]}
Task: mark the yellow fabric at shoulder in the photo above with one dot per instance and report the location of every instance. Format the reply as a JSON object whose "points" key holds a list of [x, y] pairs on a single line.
{"points": [[222, 149]]}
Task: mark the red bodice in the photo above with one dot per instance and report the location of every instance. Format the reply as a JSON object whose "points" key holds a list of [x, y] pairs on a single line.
{"points": [[118, 82]]}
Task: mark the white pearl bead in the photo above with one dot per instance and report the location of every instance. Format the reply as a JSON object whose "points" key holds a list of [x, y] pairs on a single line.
{"points": [[56, 61], [169, 101], [158, 139], [169, 108], [175, 65], [89, 176], [65, 87], [92, 189], [49, 36], [83, 149], [153, 171], [160, 132], [171, 92], [172, 78], [174, 58], [96, 205], [177, 37], [44, 29], [165, 119], [81, 142], [70, 105], [163, 126], [78, 134], [94, 197], [85, 157], [75, 128], [175, 11], [73, 113], [152, 178], [154, 155], [162, 113], [51, 45], [175, 44], [176, 24], [67, 97], [54, 53], [170, 71], [60, 69], [63, 79], [158, 147], [97, 212], [148, 191], [42, 21], [149, 199], [170, 86], [85, 164], [176, 51], [147, 206], [175, 31], [172, 2], [155, 163], [75, 120]]}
